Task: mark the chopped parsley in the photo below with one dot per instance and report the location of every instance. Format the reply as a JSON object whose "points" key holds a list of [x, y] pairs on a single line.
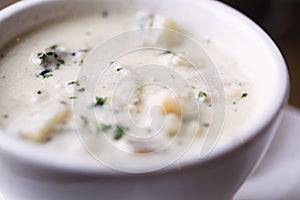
{"points": [[51, 58], [53, 47], [74, 83], [100, 101], [46, 73], [57, 65], [202, 94], [82, 61], [51, 53], [42, 57], [81, 90], [168, 52], [118, 133], [61, 62], [72, 97], [83, 50], [102, 127], [244, 95]]}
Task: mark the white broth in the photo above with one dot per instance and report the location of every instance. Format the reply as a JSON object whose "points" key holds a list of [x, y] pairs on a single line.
{"points": [[38, 75]]}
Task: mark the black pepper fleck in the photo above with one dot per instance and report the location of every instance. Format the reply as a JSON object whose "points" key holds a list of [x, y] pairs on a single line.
{"points": [[5, 116], [39, 92], [206, 125], [104, 14], [63, 102]]}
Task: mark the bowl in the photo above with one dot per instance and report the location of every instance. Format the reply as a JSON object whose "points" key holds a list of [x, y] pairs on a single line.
{"points": [[217, 176]]}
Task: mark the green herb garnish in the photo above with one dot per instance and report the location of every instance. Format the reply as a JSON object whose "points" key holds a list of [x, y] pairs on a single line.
{"points": [[50, 58], [53, 47], [57, 66], [202, 94], [74, 83], [100, 101], [42, 57], [119, 133], [61, 62], [82, 61], [83, 50], [102, 127], [168, 52], [46, 73], [81, 90], [72, 97], [244, 95], [51, 53]]}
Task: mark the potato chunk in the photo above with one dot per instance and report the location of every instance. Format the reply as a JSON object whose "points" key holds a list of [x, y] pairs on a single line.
{"points": [[145, 19], [38, 125], [171, 105], [171, 59]]}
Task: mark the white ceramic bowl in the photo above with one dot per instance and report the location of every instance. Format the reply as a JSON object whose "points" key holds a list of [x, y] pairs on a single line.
{"points": [[217, 177]]}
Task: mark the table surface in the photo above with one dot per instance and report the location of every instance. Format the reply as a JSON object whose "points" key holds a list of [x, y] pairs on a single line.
{"points": [[278, 175]]}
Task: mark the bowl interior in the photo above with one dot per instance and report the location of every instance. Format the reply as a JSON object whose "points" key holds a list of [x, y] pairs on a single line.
{"points": [[245, 41]]}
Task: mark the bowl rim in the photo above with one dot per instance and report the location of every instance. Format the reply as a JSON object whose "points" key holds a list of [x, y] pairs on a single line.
{"points": [[234, 145]]}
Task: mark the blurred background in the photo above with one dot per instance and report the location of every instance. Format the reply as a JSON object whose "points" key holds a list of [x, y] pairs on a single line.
{"points": [[280, 19]]}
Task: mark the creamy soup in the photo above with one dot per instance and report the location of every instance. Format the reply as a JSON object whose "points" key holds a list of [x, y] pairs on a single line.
{"points": [[39, 84]]}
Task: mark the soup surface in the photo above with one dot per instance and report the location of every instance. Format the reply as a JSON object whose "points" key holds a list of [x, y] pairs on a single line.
{"points": [[40, 86]]}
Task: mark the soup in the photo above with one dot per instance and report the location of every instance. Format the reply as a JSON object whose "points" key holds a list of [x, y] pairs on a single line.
{"points": [[39, 83]]}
